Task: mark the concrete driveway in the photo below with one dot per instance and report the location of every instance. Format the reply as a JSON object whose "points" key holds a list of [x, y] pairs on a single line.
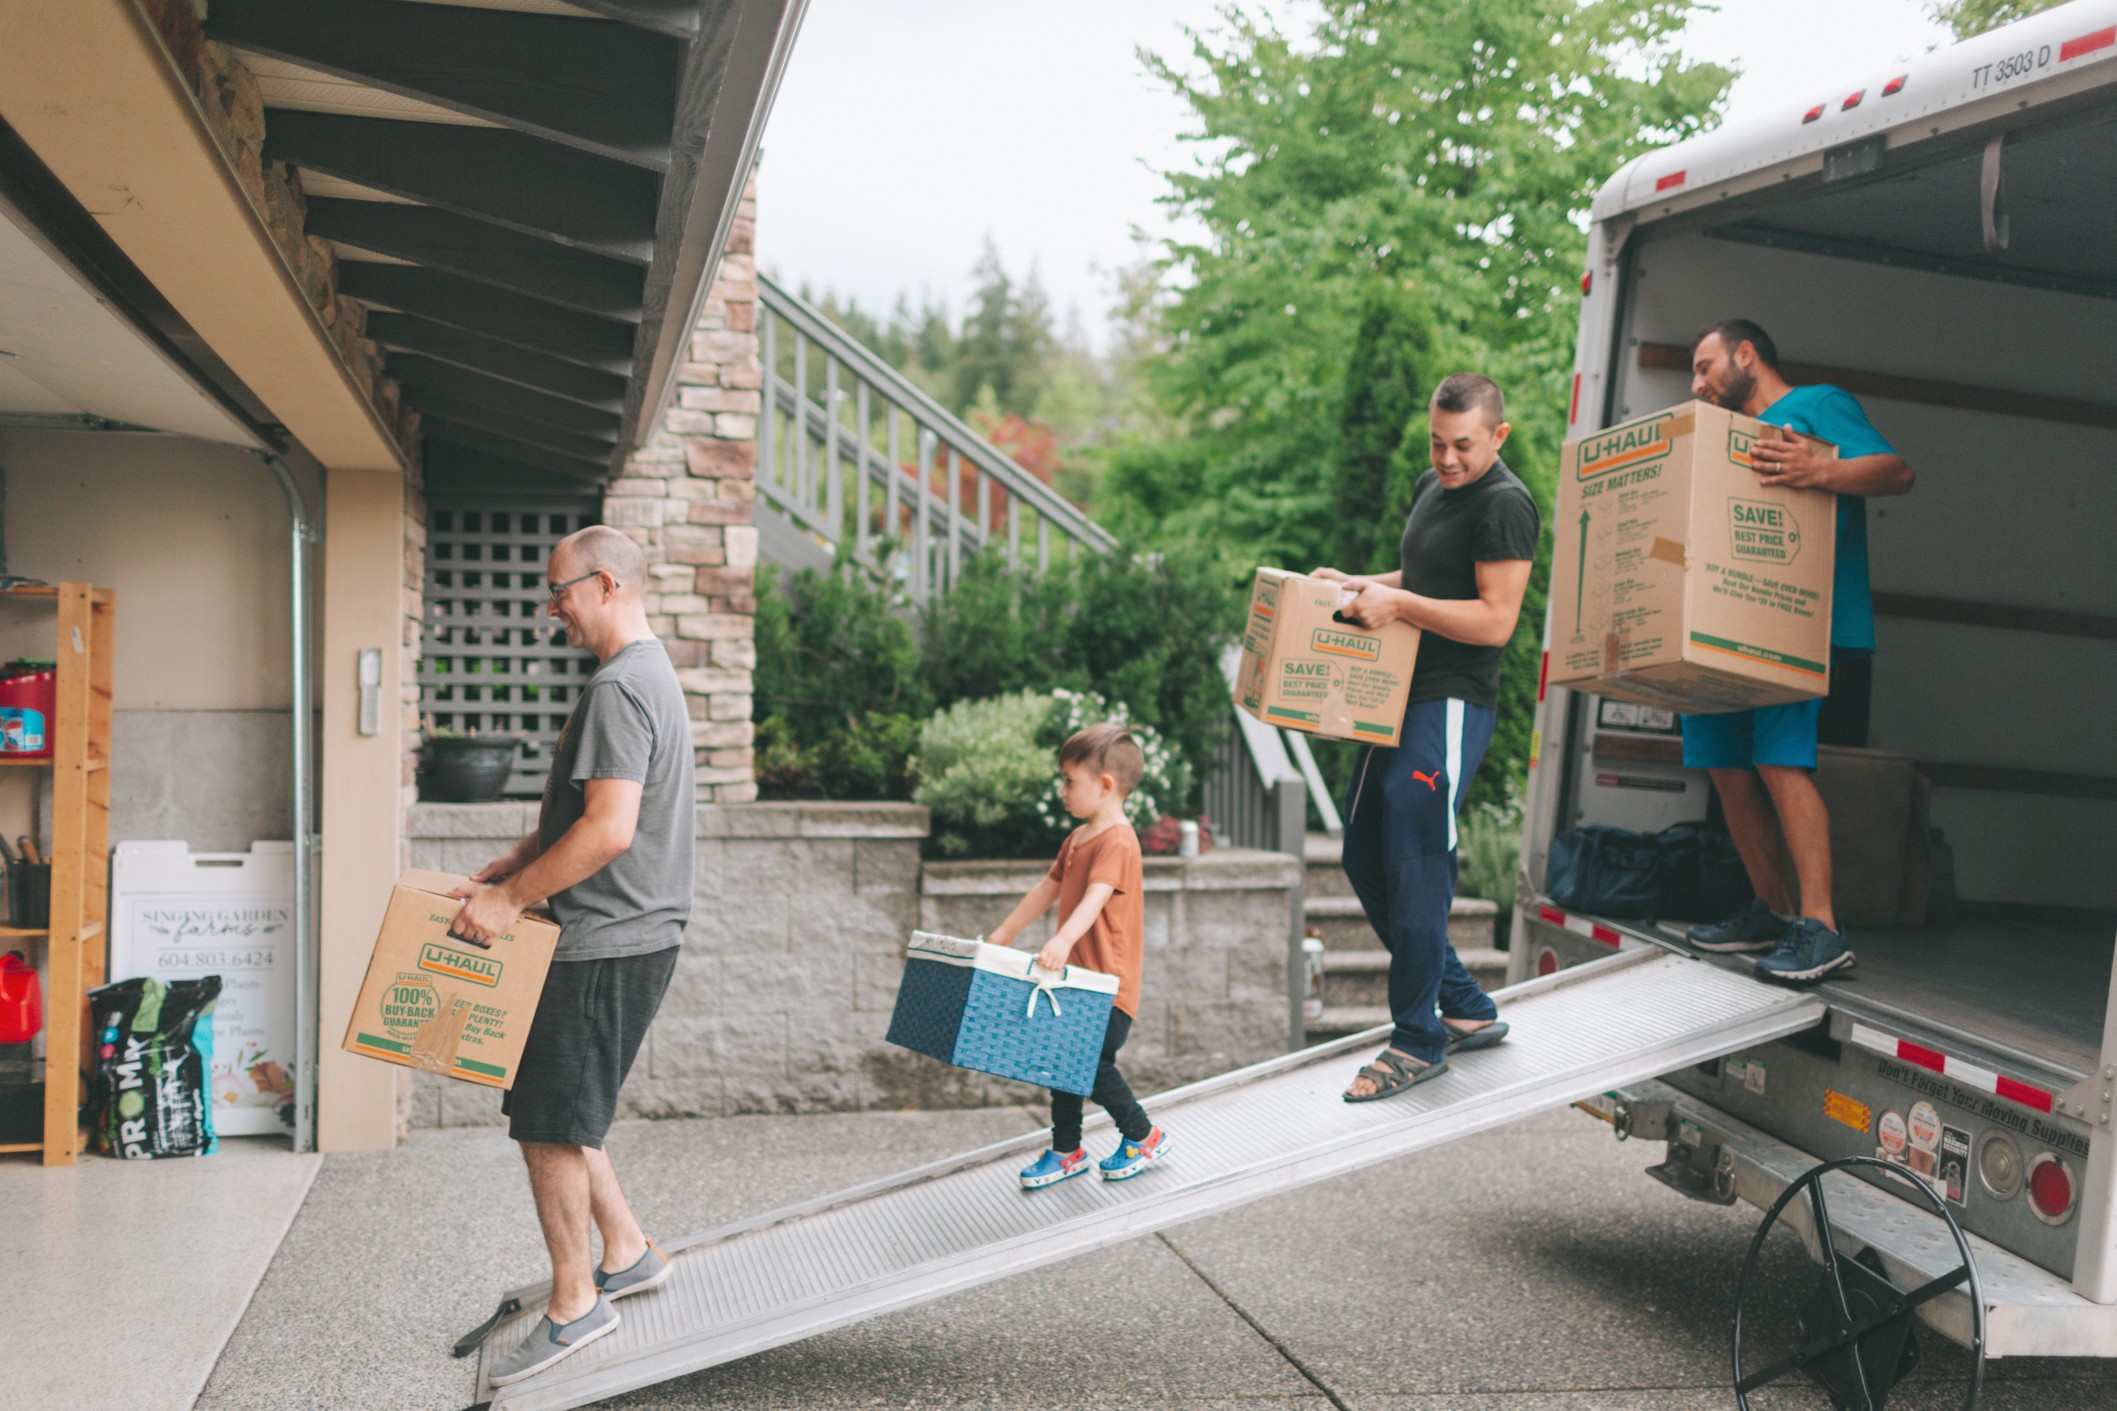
{"points": [[1529, 1269]]}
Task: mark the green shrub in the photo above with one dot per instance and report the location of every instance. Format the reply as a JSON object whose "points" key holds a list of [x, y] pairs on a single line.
{"points": [[982, 767], [989, 771], [1488, 843], [866, 758]]}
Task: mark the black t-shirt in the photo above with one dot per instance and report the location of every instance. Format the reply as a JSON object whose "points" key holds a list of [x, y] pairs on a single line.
{"points": [[1448, 534]]}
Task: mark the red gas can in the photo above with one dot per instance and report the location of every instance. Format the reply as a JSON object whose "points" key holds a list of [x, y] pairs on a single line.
{"points": [[21, 1001], [29, 695]]}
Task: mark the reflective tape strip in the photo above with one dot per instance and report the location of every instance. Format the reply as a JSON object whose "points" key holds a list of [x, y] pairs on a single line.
{"points": [[2087, 44], [1578, 925], [1969, 1074]]}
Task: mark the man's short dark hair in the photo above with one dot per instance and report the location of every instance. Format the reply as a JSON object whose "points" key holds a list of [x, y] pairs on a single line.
{"points": [[1470, 391], [1734, 332]]}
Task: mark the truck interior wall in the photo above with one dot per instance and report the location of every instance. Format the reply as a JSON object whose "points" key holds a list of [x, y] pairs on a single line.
{"points": [[2007, 510], [193, 536]]}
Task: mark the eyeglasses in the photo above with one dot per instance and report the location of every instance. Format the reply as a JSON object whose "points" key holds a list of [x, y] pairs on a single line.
{"points": [[558, 590]]}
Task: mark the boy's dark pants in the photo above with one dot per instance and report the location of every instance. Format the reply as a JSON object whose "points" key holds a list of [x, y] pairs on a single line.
{"points": [[1112, 1093]]}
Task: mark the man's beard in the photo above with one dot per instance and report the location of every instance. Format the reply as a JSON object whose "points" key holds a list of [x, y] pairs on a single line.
{"points": [[1734, 394]]}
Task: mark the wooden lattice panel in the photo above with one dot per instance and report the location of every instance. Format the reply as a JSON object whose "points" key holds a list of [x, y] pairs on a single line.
{"points": [[492, 661]]}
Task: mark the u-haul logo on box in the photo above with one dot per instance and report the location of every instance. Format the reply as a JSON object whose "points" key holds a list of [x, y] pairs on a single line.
{"points": [[1626, 448], [478, 969], [1345, 644]]}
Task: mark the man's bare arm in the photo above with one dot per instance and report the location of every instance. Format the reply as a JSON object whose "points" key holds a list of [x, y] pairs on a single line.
{"points": [[610, 815], [1486, 620], [1799, 465]]}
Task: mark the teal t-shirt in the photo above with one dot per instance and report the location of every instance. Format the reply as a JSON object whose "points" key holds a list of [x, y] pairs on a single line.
{"points": [[1832, 414]]}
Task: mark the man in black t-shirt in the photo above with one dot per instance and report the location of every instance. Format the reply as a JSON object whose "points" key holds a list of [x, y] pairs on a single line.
{"points": [[1467, 549]]}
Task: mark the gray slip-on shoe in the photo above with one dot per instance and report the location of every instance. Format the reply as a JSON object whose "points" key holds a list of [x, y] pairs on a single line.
{"points": [[646, 1272], [552, 1341]]}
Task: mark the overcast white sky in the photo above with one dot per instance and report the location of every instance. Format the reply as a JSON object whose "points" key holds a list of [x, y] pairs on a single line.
{"points": [[906, 131]]}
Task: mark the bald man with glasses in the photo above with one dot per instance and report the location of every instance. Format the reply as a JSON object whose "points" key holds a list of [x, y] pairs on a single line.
{"points": [[614, 853]]}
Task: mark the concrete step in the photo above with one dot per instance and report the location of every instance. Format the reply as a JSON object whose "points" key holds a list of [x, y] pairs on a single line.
{"points": [[1359, 979], [1326, 878], [1343, 925], [1338, 1021]]}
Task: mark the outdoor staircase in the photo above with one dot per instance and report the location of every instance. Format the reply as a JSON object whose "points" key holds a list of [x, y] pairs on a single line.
{"points": [[1356, 967]]}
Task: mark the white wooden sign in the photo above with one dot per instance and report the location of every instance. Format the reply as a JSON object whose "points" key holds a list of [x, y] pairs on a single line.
{"points": [[177, 914]]}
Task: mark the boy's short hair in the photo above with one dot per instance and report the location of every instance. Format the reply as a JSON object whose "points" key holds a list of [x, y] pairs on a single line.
{"points": [[1109, 749]]}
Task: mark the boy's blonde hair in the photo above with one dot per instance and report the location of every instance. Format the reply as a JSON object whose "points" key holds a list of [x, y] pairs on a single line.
{"points": [[1109, 749]]}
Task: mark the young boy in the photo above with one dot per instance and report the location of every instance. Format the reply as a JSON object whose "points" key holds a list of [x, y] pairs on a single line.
{"points": [[1097, 884]]}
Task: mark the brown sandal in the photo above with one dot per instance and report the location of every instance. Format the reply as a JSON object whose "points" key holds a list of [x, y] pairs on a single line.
{"points": [[1393, 1072]]}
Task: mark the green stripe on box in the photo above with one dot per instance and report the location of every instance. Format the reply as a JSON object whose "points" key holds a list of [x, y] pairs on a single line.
{"points": [[1763, 654], [472, 1065], [1368, 727], [390, 1044], [1282, 713]]}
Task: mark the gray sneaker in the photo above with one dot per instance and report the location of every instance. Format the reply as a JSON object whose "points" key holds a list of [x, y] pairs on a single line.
{"points": [[647, 1271], [552, 1341], [1755, 927]]}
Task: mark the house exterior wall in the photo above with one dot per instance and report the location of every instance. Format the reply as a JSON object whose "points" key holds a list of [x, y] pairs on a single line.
{"points": [[685, 497], [790, 964]]}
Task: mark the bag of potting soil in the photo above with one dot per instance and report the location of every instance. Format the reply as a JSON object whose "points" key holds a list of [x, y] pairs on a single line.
{"points": [[153, 1094]]}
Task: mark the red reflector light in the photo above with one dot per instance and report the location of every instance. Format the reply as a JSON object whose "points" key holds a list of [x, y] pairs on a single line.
{"points": [[1547, 961], [1587, 280], [1852, 100], [1813, 113], [1894, 86], [1572, 414], [1674, 178], [2050, 1188], [2087, 44]]}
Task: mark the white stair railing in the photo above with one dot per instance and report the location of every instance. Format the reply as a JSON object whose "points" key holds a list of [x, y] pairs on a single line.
{"points": [[853, 452]]}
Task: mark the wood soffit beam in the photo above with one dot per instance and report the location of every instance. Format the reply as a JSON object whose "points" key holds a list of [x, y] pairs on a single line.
{"points": [[497, 313], [467, 411], [90, 89], [1676, 357], [523, 183], [397, 332], [604, 88], [593, 284], [477, 438], [504, 398]]}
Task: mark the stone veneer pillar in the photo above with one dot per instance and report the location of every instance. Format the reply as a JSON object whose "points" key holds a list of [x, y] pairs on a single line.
{"points": [[685, 497]]}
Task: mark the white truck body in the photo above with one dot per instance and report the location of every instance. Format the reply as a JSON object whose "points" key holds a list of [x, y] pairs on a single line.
{"points": [[1940, 238]]}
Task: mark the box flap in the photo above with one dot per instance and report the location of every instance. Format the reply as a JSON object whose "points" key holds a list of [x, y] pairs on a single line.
{"points": [[439, 884]]}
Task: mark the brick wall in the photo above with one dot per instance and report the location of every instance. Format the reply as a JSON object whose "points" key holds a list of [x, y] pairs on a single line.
{"points": [[685, 497]]}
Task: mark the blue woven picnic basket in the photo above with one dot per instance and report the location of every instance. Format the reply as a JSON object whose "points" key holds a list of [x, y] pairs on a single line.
{"points": [[979, 1006]]}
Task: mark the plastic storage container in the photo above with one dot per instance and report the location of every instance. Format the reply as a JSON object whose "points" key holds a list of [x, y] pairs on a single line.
{"points": [[29, 694], [981, 1006]]}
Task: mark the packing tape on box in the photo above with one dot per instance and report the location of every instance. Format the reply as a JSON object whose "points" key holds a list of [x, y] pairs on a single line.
{"points": [[435, 1043], [1668, 551]]}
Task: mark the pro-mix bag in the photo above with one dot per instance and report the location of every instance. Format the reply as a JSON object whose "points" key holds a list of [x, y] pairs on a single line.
{"points": [[152, 1094]]}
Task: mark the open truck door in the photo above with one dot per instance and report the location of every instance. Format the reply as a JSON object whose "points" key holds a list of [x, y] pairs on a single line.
{"points": [[1937, 239]]}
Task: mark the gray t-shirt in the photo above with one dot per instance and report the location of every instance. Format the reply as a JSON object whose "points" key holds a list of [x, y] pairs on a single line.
{"points": [[630, 723]]}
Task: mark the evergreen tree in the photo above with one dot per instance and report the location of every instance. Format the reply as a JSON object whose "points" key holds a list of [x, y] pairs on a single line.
{"points": [[1387, 380]]}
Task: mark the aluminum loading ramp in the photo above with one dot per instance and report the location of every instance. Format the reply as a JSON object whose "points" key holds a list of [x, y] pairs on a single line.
{"points": [[965, 1221]]}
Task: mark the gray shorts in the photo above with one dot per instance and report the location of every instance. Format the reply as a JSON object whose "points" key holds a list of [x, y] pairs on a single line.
{"points": [[588, 1028]]}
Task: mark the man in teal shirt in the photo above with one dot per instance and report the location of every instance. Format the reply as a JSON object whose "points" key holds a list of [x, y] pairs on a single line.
{"points": [[1763, 761]]}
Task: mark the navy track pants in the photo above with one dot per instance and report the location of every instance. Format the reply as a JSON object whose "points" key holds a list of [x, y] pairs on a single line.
{"points": [[1400, 835]]}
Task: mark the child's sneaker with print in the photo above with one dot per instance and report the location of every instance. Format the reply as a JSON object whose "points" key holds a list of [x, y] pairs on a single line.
{"points": [[1051, 1168], [1131, 1158]]}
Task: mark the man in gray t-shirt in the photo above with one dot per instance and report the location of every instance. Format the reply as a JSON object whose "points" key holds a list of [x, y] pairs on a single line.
{"points": [[614, 853]]}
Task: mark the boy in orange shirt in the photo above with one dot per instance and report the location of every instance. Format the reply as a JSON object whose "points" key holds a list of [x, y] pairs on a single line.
{"points": [[1098, 885]]}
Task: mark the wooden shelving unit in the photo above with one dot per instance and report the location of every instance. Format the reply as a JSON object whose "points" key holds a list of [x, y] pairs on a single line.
{"points": [[75, 948]]}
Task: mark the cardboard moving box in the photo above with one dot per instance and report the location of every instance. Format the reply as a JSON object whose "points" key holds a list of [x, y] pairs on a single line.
{"points": [[448, 1006], [1678, 579], [1303, 669]]}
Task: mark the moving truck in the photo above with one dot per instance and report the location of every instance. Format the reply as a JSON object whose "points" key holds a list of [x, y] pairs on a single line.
{"points": [[1936, 238]]}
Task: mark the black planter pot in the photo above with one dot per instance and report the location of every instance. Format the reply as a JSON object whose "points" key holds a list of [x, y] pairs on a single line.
{"points": [[465, 769]]}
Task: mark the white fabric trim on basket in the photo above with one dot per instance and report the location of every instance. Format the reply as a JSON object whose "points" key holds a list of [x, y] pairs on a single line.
{"points": [[1005, 961]]}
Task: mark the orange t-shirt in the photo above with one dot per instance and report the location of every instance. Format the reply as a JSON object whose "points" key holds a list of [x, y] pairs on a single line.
{"points": [[1115, 939]]}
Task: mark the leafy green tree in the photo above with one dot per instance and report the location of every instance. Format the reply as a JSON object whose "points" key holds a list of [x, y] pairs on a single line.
{"points": [[1973, 17], [1425, 160], [1006, 339]]}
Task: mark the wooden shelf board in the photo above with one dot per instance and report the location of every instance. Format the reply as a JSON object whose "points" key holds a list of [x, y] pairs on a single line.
{"points": [[24, 761], [6, 1147], [10, 932]]}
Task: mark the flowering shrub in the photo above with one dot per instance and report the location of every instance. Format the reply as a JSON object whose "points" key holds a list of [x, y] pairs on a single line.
{"points": [[989, 771]]}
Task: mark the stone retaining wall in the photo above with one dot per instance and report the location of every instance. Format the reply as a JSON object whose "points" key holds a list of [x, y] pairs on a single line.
{"points": [[796, 941]]}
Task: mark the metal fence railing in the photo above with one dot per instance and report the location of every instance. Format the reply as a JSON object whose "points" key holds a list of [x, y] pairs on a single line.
{"points": [[853, 452]]}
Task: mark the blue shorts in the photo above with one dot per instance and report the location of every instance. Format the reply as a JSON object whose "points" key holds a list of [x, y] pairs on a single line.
{"points": [[1744, 739]]}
